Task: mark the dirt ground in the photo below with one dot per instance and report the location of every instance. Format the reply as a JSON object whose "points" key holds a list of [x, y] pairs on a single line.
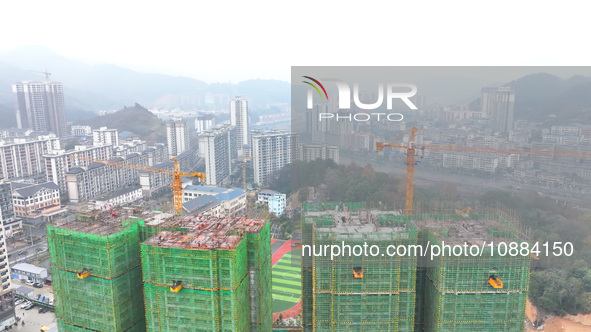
{"points": [[558, 324], [579, 323]]}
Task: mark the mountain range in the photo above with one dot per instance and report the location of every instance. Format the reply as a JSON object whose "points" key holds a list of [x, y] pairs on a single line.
{"points": [[90, 88]]}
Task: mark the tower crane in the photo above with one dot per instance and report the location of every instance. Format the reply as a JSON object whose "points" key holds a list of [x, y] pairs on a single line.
{"points": [[47, 74], [410, 164], [412, 147], [177, 183]]}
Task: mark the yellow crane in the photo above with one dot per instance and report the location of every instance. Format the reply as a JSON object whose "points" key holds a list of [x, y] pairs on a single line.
{"points": [[177, 183], [411, 149], [410, 164]]}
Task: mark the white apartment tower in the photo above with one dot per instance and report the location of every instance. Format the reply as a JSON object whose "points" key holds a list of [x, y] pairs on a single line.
{"points": [[204, 122], [239, 119], [271, 150], [40, 106], [218, 147], [23, 157], [177, 137], [498, 105], [105, 136]]}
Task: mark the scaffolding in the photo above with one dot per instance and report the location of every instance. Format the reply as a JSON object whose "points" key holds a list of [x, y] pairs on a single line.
{"points": [[96, 270], [211, 311], [63, 326], [474, 311], [259, 271], [223, 266], [107, 250], [456, 291], [357, 292], [333, 206]]}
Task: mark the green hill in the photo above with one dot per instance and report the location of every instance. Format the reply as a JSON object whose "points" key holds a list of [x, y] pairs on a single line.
{"points": [[136, 119]]}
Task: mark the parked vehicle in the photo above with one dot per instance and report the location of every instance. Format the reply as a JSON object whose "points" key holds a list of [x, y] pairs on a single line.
{"points": [[30, 282], [30, 306], [48, 282], [43, 310], [18, 301], [50, 301], [38, 285], [26, 304]]}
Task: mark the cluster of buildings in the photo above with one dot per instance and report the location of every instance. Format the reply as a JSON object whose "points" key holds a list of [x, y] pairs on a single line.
{"points": [[150, 271], [267, 151], [420, 291]]}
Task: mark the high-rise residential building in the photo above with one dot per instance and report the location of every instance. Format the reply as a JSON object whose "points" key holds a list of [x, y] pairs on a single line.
{"points": [[177, 136], [23, 157], [7, 313], [409, 291], [271, 150], [135, 270], [96, 273], [498, 105], [202, 273], [105, 136], [239, 119], [40, 106], [204, 122], [218, 147]]}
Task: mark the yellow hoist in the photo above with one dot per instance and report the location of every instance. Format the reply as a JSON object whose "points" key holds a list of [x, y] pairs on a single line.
{"points": [[495, 282], [176, 286], [85, 273], [358, 272]]}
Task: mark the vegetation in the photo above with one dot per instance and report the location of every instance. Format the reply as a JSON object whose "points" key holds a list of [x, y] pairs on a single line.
{"points": [[351, 183], [136, 119], [558, 285]]}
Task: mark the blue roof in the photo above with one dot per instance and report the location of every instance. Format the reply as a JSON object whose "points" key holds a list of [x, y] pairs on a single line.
{"points": [[231, 195], [201, 203], [125, 133], [205, 188], [205, 202]]}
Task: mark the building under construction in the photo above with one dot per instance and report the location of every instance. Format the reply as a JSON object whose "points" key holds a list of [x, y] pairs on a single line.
{"points": [[356, 292], [96, 270], [484, 291], [210, 272], [412, 291], [125, 270]]}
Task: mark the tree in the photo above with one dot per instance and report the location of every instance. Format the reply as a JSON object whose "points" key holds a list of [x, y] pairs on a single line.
{"points": [[449, 192], [303, 194], [368, 172]]}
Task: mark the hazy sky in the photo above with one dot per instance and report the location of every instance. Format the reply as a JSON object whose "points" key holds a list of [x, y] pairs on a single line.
{"points": [[237, 40]]}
